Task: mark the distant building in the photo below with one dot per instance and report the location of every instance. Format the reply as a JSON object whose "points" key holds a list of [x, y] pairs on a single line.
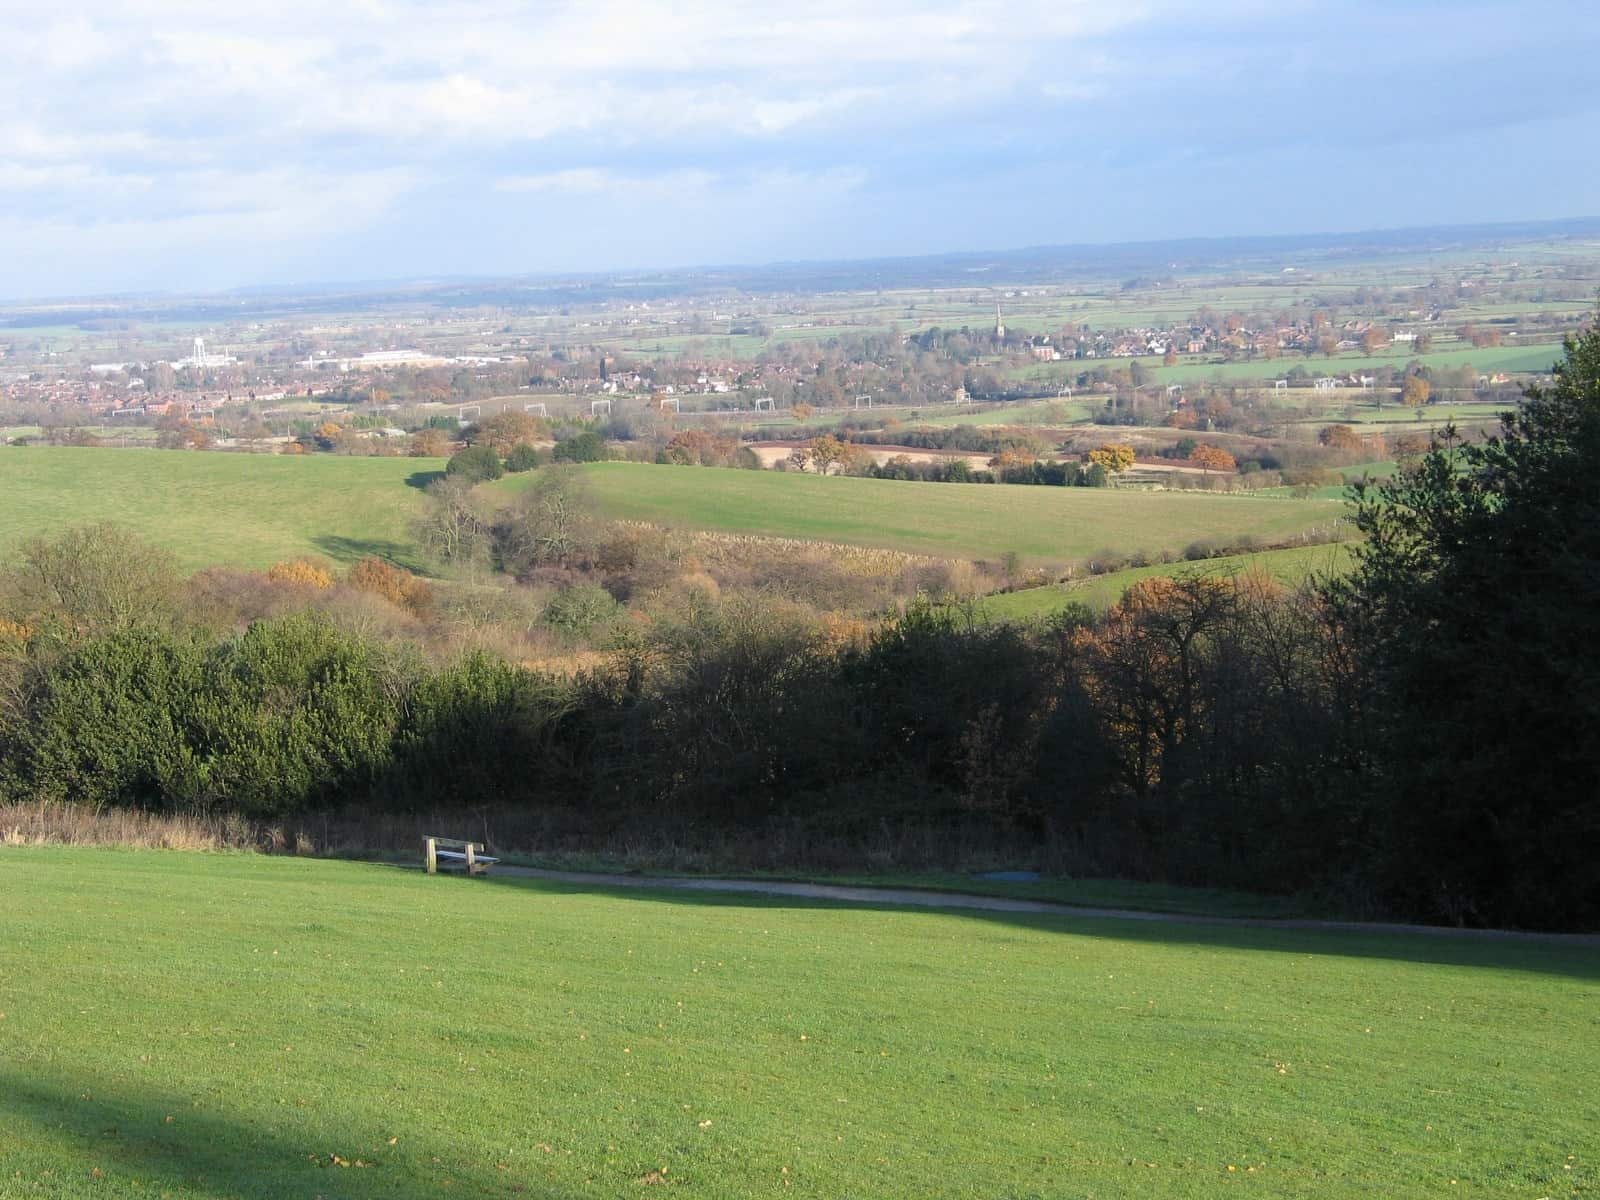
{"points": [[200, 359], [379, 360]]}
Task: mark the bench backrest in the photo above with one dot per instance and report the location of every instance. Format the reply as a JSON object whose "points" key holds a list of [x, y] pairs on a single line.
{"points": [[452, 843]]}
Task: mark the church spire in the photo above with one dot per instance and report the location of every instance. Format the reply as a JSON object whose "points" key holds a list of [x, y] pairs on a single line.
{"points": [[999, 325]]}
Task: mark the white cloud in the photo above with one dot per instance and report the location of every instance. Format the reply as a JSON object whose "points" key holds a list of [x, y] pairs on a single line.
{"points": [[317, 120], [491, 70], [224, 229]]}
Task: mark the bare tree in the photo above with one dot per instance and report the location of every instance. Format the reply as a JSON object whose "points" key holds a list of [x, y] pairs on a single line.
{"points": [[552, 524], [97, 578], [452, 528]]}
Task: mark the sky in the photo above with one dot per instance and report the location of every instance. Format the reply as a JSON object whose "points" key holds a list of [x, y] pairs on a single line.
{"points": [[162, 145]]}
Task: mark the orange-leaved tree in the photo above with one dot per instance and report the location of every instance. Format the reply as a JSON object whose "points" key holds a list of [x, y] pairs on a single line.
{"points": [[1115, 457], [1213, 458]]}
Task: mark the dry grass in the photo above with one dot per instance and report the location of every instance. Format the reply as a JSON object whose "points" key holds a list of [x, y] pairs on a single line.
{"points": [[713, 547], [550, 836], [45, 824]]}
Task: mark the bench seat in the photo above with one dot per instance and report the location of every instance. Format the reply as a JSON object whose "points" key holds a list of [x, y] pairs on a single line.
{"points": [[459, 856], [452, 854]]}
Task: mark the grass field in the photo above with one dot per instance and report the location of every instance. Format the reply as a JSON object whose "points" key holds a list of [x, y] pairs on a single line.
{"points": [[1407, 420], [954, 520], [246, 510], [1534, 358], [187, 1026], [1292, 566], [111, 433], [1039, 412]]}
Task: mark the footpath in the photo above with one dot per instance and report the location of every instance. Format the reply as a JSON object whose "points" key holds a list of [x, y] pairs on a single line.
{"points": [[923, 898]]}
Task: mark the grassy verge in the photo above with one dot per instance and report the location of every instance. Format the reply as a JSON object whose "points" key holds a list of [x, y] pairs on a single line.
{"points": [[191, 1026]]}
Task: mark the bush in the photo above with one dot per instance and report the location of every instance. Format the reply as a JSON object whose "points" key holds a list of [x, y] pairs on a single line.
{"points": [[584, 447], [581, 609], [475, 463], [523, 458], [397, 586], [301, 573]]}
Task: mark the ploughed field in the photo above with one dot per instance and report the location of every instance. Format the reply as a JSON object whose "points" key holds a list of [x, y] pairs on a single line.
{"points": [[973, 521], [187, 1025]]}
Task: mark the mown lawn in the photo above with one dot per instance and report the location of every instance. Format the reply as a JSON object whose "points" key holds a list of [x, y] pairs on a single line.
{"points": [[976, 521], [190, 1026], [1291, 566], [245, 510]]}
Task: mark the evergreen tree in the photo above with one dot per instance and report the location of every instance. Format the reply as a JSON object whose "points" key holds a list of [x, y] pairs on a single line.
{"points": [[1477, 597]]}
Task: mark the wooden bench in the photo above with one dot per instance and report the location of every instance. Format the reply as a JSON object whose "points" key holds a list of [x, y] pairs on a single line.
{"points": [[450, 854]]}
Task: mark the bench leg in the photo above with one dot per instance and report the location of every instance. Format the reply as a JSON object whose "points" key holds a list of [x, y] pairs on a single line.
{"points": [[430, 856]]}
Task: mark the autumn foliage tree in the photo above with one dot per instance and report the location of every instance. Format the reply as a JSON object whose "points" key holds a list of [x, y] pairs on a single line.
{"points": [[828, 455], [1213, 458], [1115, 457], [504, 431], [1339, 437], [1415, 391], [429, 443]]}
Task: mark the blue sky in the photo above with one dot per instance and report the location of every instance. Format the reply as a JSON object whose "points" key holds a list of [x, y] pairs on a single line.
{"points": [[167, 145]]}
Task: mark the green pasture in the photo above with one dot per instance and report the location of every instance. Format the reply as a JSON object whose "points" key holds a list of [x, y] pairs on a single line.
{"points": [[1291, 566], [110, 433], [1197, 369], [1376, 470], [1429, 416], [978, 521], [211, 509], [1485, 359], [182, 1026], [1337, 491], [1041, 412]]}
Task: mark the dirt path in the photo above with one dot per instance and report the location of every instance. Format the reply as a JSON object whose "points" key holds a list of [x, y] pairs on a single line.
{"points": [[934, 899]]}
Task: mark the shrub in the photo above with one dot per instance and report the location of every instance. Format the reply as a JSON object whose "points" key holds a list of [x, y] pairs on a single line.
{"points": [[584, 447], [475, 463], [96, 577], [581, 609], [398, 586], [523, 458], [302, 573]]}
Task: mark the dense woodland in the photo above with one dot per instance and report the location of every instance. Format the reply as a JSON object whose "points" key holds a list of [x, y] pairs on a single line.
{"points": [[1417, 740]]}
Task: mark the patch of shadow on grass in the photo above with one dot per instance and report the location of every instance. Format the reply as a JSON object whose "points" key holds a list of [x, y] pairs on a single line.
{"points": [[95, 1140], [350, 550], [1572, 956], [423, 480]]}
